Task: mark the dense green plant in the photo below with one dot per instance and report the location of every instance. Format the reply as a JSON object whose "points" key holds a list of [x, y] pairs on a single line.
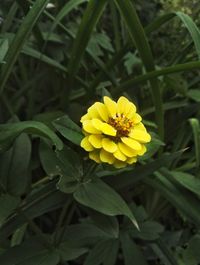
{"points": [[56, 205]]}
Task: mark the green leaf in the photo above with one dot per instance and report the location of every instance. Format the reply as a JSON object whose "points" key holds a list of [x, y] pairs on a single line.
{"points": [[9, 132], [45, 199], [164, 253], [65, 163], [139, 173], [20, 38], [196, 133], [188, 181], [14, 166], [100, 197], [68, 253], [30, 252], [66, 9], [47, 258], [194, 94], [89, 21], [18, 235], [83, 235], [140, 41], [71, 170], [192, 28], [191, 254], [8, 204], [166, 71], [175, 82], [29, 51], [180, 199], [49, 160], [105, 251], [131, 251], [3, 49], [70, 130], [109, 224]]}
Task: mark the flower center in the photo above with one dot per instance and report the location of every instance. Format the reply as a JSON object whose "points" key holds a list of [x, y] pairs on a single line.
{"points": [[122, 124]]}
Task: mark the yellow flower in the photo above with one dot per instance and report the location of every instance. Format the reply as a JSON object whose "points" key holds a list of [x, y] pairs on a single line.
{"points": [[114, 133]]}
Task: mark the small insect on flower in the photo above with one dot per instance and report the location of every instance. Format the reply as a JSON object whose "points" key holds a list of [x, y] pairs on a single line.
{"points": [[114, 133]]}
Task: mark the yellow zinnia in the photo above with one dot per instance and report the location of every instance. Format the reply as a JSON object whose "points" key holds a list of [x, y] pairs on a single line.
{"points": [[114, 133]]}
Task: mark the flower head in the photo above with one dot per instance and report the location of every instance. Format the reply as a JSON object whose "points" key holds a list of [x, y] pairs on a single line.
{"points": [[114, 133]]}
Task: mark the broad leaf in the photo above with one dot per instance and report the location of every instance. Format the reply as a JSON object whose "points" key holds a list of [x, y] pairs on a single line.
{"points": [[8, 204], [9, 132], [70, 130], [103, 252], [189, 181], [131, 251], [102, 198], [14, 166]]}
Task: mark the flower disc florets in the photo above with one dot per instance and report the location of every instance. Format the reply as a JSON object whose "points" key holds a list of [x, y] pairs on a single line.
{"points": [[114, 133]]}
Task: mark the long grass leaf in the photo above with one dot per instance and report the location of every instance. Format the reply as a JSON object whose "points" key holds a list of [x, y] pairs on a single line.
{"points": [[166, 71], [9, 18], [196, 133], [118, 56], [66, 9], [180, 199], [19, 40], [140, 40], [89, 21], [192, 28]]}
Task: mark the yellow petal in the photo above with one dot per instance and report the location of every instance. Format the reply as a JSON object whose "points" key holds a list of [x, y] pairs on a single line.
{"points": [[109, 145], [136, 118], [111, 106], [131, 160], [89, 127], [102, 111], [94, 155], [142, 151], [119, 155], [97, 124], [85, 117], [119, 164], [108, 129], [132, 111], [95, 140], [131, 143], [85, 144], [106, 157], [123, 105], [127, 151], [92, 111], [140, 126], [141, 136], [104, 127]]}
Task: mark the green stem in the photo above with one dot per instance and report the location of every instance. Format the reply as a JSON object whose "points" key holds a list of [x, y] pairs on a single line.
{"points": [[41, 181], [60, 221], [36, 230]]}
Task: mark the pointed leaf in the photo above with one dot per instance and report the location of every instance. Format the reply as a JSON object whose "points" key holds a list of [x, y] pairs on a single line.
{"points": [[100, 197], [70, 130]]}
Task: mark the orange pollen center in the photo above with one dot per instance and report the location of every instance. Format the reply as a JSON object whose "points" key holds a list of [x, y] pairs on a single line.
{"points": [[122, 124]]}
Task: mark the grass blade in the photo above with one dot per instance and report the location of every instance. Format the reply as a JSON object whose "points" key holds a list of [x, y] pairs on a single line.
{"points": [[139, 39], [166, 71], [192, 28], [19, 40], [89, 21], [196, 132], [180, 199], [67, 8]]}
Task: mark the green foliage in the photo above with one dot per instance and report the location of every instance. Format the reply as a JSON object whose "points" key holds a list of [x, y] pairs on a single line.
{"points": [[57, 206]]}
